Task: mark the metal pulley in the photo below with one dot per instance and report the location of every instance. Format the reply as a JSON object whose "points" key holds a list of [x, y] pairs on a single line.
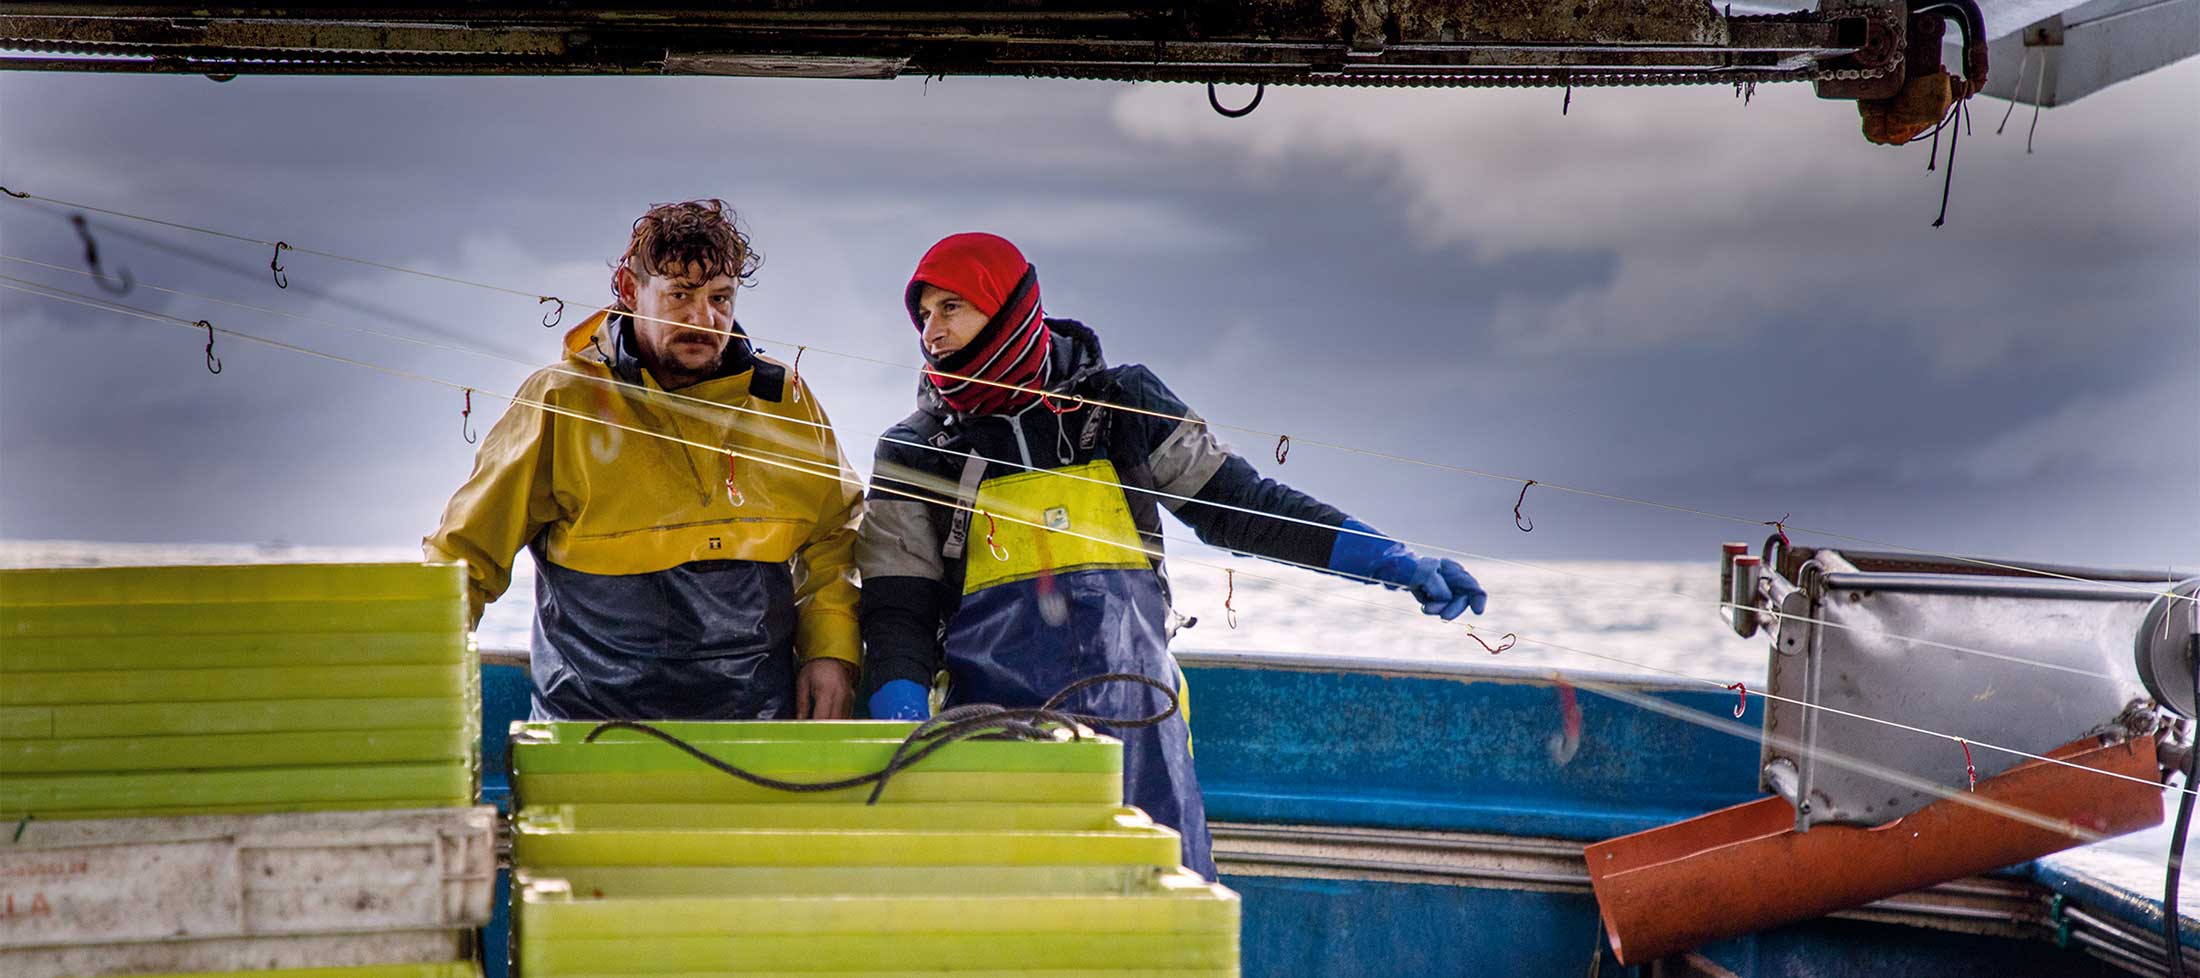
{"points": [[2167, 644]]}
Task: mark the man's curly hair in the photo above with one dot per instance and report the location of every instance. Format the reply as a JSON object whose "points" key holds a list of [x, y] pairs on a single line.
{"points": [[691, 237]]}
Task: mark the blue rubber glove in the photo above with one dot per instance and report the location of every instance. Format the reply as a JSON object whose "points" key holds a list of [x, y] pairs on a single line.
{"points": [[901, 699], [1444, 588]]}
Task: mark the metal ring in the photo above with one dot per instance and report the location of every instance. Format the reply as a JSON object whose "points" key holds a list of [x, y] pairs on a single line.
{"points": [[1259, 89]]}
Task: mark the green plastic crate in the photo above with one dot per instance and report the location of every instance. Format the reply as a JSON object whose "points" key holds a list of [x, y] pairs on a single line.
{"points": [[835, 880], [801, 759], [439, 614], [920, 953], [554, 765], [917, 785], [446, 969], [234, 717], [1178, 903], [228, 583], [202, 685], [223, 751], [957, 973], [1130, 840], [354, 648], [9, 819], [690, 817], [263, 789], [546, 734]]}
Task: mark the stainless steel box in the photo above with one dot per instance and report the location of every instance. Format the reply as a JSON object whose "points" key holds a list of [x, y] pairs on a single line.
{"points": [[1871, 635]]}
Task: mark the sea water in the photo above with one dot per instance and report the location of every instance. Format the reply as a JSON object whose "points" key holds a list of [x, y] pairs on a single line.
{"points": [[1657, 618]]}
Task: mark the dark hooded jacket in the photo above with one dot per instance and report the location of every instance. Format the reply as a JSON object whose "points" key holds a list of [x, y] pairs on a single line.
{"points": [[1014, 614]]}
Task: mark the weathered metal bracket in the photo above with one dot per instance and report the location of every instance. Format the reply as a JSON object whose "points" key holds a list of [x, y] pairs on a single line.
{"points": [[1362, 42]]}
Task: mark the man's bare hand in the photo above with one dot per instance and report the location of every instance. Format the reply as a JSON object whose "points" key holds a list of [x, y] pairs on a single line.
{"points": [[825, 689]]}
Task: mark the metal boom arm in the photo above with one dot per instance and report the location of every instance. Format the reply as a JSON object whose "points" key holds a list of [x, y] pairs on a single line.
{"points": [[1327, 42]]}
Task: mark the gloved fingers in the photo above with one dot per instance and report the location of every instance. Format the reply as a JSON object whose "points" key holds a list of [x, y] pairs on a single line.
{"points": [[1429, 584], [1457, 606], [1464, 584], [901, 699]]}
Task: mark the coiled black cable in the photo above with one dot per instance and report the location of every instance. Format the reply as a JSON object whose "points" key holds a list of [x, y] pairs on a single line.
{"points": [[2173, 919], [974, 721]]}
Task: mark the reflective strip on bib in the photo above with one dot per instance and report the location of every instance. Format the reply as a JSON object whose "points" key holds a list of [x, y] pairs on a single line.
{"points": [[1085, 500]]}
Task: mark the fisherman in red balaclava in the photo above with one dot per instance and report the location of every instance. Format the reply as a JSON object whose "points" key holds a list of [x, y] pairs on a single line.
{"points": [[1029, 559]]}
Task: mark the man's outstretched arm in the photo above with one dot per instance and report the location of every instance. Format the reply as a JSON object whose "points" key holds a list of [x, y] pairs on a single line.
{"points": [[1232, 505]]}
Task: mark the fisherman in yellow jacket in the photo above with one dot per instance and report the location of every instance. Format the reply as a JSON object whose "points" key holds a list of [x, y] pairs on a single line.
{"points": [[707, 574]]}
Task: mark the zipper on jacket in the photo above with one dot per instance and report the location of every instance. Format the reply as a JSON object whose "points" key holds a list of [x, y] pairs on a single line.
{"points": [[1016, 425]]}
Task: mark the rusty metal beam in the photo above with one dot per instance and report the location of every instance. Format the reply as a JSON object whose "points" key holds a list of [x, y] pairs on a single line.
{"points": [[1284, 41]]}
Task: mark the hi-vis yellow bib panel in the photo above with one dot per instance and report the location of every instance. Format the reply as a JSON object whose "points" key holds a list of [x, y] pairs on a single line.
{"points": [[1084, 503]]}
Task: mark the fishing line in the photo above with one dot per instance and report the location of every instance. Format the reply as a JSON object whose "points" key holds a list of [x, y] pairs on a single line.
{"points": [[268, 244], [810, 467], [786, 442], [714, 406], [1082, 401], [646, 392]]}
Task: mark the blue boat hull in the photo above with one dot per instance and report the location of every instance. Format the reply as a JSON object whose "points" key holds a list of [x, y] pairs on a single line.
{"points": [[1407, 819]]}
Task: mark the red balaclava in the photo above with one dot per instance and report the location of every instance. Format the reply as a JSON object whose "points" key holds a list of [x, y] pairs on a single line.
{"points": [[992, 275]]}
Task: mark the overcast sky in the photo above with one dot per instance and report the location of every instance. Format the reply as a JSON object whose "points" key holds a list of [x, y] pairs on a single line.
{"points": [[1665, 294]]}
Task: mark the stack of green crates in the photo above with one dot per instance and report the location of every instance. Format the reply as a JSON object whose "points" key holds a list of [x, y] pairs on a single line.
{"points": [[988, 858], [143, 691]]}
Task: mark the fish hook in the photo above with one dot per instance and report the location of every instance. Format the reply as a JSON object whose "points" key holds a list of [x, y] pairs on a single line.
{"points": [[991, 545], [1283, 448], [466, 418], [1259, 89], [1525, 523], [1948, 177], [91, 258], [11, 193], [1229, 595], [2039, 94], [1779, 526], [2022, 64], [555, 316], [213, 363], [275, 265], [1505, 641]]}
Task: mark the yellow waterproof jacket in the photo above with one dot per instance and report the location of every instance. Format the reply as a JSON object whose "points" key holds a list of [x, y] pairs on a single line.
{"points": [[594, 491]]}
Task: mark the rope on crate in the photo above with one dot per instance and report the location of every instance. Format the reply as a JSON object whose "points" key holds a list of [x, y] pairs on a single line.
{"points": [[974, 721]]}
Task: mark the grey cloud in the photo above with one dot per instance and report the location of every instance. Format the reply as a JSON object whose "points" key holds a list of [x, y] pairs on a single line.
{"points": [[1663, 294]]}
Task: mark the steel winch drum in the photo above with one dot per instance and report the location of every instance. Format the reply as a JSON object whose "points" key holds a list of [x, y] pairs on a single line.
{"points": [[2166, 645]]}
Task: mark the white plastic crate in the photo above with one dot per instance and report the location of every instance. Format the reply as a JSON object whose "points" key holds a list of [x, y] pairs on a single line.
{"points": [[116, 882], [238, 954]]}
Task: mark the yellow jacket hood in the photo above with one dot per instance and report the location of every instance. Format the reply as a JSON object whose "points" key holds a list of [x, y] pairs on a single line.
{"points": [[609, 476]]}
